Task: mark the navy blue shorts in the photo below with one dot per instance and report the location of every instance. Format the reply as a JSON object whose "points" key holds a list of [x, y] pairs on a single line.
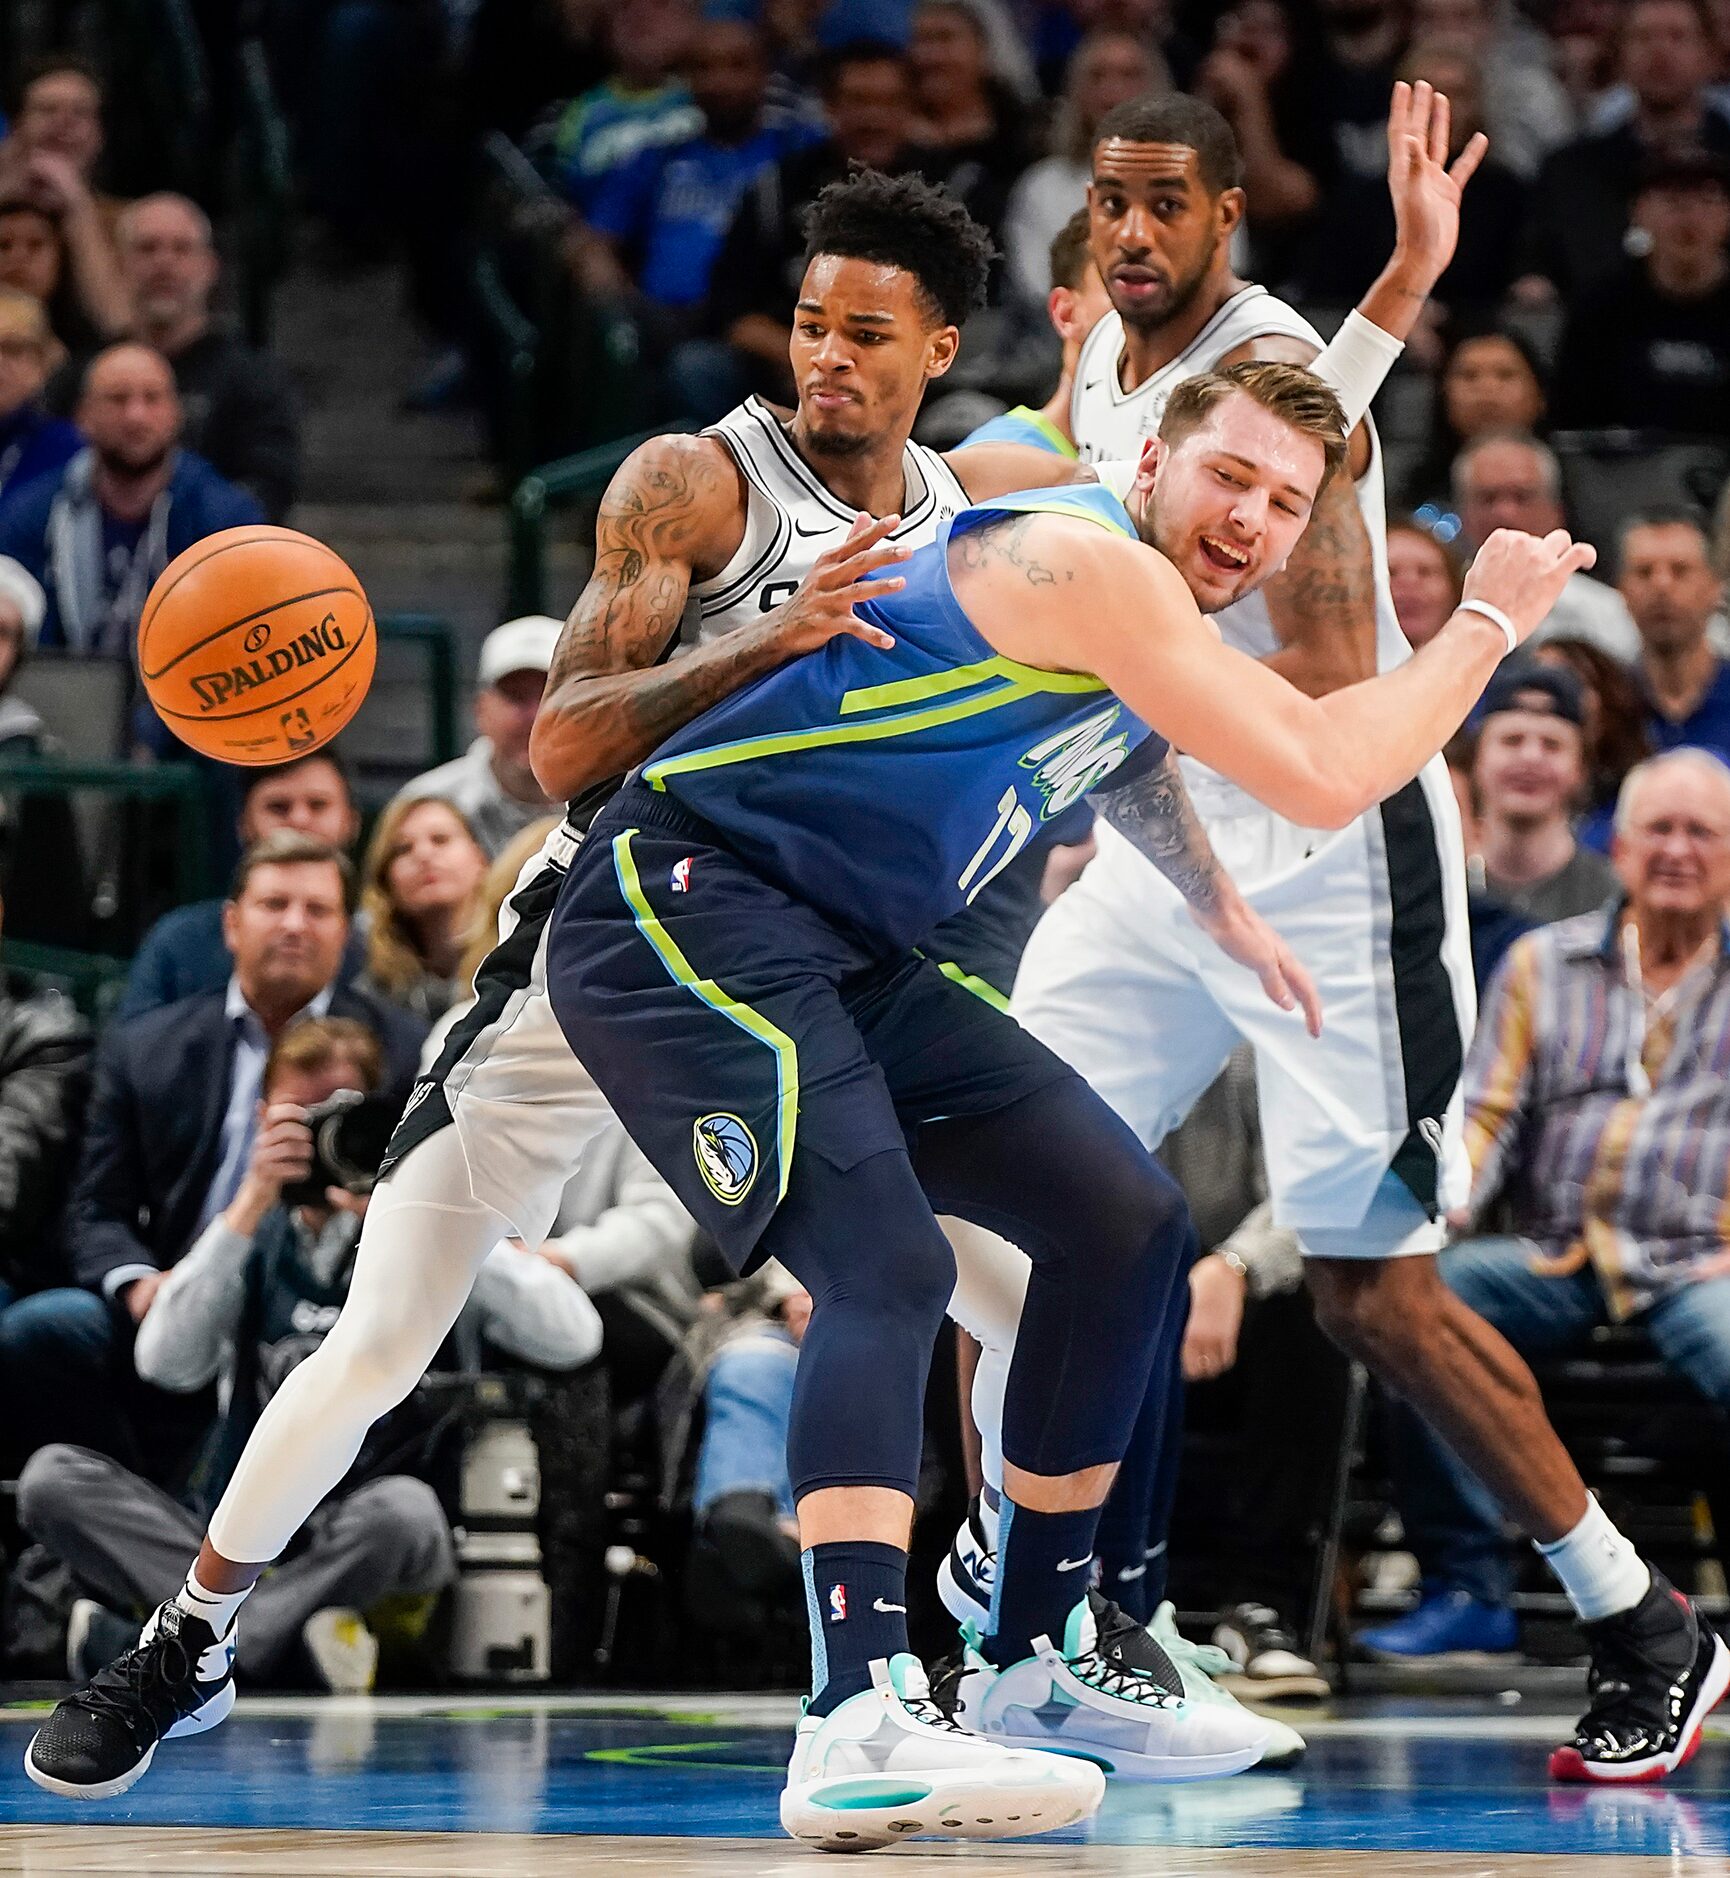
{"points": [[732, 1026]]}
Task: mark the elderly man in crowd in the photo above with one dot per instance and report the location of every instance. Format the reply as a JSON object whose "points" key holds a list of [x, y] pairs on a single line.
{"points": [[236, 409], [1528, 782], [33, 442], [167, 1145], [1601, 1064], [98, 533], [491, 782], [1514, 481], [1672, 592]]}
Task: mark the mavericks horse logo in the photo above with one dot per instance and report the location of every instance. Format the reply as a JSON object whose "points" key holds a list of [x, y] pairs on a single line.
{"points": [[726, 1153]]}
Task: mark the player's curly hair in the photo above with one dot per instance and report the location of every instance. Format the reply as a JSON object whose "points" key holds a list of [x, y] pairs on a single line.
{"points": [[904, 222]]}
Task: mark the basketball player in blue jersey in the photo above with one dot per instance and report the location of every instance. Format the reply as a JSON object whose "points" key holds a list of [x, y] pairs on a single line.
{"points": [[732, 956], [1075, 305], [753, 521]]}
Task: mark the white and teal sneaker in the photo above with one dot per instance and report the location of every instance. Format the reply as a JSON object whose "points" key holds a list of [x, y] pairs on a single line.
{"points": [[1198, 1664], [889, 1765], [1110, 1694]]}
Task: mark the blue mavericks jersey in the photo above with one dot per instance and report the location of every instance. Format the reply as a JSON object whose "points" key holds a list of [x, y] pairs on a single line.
{"points": [[1025, 425], [886, 788]]}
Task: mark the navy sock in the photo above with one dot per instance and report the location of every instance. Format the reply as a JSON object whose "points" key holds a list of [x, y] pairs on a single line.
{"points": [[856, 1601], [1042, 1561]]}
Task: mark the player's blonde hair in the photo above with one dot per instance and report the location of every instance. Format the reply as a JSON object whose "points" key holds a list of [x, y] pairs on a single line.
{"points": [[1293, 395]]}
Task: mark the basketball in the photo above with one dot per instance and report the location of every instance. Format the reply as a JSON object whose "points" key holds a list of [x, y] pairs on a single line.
{"points": [[256, 645]]}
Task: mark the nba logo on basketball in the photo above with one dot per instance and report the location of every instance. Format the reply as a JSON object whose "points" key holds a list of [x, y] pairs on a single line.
{"points": [[682, 875], [837, 1604]]}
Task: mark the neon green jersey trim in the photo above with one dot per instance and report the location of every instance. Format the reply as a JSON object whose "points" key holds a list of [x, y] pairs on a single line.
{"points": [[681, 971], [981, 988], [1026, 678], [1048, 430], [750, 748]]}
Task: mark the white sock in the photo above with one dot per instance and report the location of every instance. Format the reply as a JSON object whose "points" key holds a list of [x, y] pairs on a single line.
{"points": [[1600, 1571], [217, 1608]]}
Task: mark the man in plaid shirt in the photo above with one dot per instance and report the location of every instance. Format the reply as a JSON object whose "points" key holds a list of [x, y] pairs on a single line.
{"points": [[1598, 1124]]}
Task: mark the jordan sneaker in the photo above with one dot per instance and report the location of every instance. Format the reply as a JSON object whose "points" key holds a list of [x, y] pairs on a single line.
{"points": [[178, 1680], [968, 1571], [1109, 1693], [889, 1765], [1657, 1672], [1200, 1664]]}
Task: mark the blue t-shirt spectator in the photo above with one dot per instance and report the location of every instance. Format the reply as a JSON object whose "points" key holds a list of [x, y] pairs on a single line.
{"points": [[670, 208], [611, 126], [1706, 727]]}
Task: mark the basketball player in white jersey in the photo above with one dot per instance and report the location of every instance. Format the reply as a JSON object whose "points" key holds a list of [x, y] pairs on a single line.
{"points": [[1361, 1128]]}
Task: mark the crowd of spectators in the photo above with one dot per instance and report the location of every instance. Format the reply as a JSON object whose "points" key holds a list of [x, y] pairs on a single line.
{"points": [[160, 1271]]}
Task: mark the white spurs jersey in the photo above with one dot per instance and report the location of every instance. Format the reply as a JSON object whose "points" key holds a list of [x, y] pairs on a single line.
{"points": [[1111, 423], [790, 519]]}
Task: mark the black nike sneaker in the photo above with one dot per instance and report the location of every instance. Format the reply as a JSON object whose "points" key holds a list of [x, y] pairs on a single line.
{"points": [[179, 1680], [1657, 1672]]}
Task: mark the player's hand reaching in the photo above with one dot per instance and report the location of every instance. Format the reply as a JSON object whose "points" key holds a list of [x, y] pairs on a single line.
{"points": [[1426, 188], [1523, 575], [1242, 934], [840, 579]]}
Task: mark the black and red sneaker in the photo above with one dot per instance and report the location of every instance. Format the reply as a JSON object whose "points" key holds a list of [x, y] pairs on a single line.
{"points": [[1657, 1672]]}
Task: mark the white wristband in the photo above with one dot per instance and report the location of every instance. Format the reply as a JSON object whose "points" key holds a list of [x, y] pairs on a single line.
{"points": [[1355, 362], [1496, 616]]}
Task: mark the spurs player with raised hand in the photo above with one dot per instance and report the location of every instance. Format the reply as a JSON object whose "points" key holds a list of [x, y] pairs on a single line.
{"points": [[1361, 1128]]}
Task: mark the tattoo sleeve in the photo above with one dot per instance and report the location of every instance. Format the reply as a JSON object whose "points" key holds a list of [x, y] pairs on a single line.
{"points": [[1323, 605], [1153, 810], [609, 701]]}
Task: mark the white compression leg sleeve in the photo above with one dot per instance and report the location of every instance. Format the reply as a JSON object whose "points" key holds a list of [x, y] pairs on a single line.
{"points": [[990, 1288], [424, 1240]]}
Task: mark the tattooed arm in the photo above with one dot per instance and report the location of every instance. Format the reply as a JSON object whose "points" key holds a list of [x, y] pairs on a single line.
{"points": [[672, 514], [1322, 604], [1153, 812]]}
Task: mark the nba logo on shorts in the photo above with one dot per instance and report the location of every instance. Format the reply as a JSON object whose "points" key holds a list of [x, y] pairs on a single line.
{"points": [[726, 1152], [837, 1604], [682, 875]]}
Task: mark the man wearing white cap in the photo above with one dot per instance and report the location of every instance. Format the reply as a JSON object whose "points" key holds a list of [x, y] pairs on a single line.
{"points": [[491, 782]]}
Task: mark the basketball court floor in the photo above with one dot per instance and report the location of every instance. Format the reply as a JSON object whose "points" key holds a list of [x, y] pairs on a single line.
{"points": [[516, 1788]]}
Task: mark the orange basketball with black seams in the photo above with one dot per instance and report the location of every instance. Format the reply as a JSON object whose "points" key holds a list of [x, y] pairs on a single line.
{"points": [[257, 645]]}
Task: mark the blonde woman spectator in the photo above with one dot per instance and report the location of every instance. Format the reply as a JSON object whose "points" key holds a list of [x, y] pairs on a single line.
{"points": [[1106, 69], [423, 890]]}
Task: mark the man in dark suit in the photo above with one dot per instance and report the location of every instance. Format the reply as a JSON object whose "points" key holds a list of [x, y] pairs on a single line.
{"points": [[167, 1142]]}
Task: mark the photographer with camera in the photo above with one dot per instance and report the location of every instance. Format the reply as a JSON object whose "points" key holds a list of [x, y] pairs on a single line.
{"points": [[256, 1294]]}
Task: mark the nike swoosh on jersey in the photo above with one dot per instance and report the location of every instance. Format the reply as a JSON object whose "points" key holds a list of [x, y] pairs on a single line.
{"points": [[813, 531], [1074, 1564]]}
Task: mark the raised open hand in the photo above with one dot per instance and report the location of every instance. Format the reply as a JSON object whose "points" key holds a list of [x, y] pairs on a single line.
{"points": [[1425, 187]]}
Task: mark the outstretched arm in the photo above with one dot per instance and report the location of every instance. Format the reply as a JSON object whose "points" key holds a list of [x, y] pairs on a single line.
{"points": [[1154, 813], [674, 513], [1065, 596]]}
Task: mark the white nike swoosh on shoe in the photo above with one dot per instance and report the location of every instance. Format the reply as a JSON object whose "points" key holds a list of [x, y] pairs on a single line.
{"points": [[878, 1605], [1074, 1564]]}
